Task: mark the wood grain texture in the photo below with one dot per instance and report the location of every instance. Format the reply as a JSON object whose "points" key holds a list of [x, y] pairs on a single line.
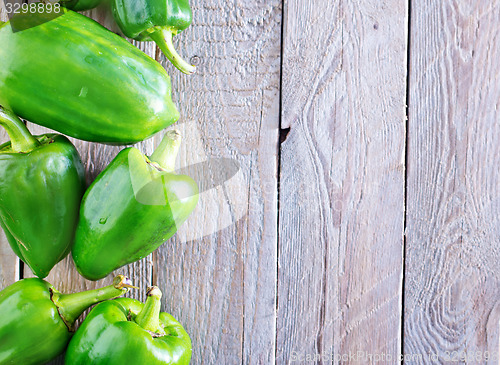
{"points": [[323, 275], [453, 213], [342, 181], [219, 273], [230, 110], [9, 264]]}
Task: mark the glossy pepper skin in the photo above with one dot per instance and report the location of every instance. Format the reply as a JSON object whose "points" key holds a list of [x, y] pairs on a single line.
{"points": [[132, 207], [126, 331], [80, 5], [72, 75], [155, 20], [37, 321], [41, 186]]}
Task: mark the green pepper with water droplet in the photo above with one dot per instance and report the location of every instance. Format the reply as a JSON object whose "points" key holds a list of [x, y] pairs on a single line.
{"points": [[133, 206], [72, 75]]}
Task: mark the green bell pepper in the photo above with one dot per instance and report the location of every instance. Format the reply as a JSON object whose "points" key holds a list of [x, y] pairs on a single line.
{"points": [[155, 20], [41, 186], [72, 75], [126, 331], [80, 5], [132, 207], [37, 321]]}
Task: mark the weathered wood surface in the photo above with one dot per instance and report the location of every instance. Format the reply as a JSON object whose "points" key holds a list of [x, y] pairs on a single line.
{"points": [[218, 274], [257, 281], [453, 214], [342, 180], [222, 283]]}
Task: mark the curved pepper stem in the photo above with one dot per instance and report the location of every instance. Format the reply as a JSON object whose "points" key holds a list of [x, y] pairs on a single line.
{"points": [[166, 152], [163, 38], [21, 140], [149, 317], [71, 306]]}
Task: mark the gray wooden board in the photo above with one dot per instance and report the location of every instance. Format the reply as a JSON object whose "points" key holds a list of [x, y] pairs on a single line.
{"points": [[333, 286], [453, 205], [341, 207], [218, 274]]}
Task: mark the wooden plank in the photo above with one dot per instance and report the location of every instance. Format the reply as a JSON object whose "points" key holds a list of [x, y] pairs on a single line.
{"points": [[453, 210], [219, 273], [9, 264], [342, 177]]}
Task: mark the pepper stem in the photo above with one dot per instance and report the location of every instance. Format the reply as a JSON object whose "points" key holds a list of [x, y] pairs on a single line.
{"points": [[163, 38], [71, 306], [166, 152], [149, 317], [21, 139]]}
